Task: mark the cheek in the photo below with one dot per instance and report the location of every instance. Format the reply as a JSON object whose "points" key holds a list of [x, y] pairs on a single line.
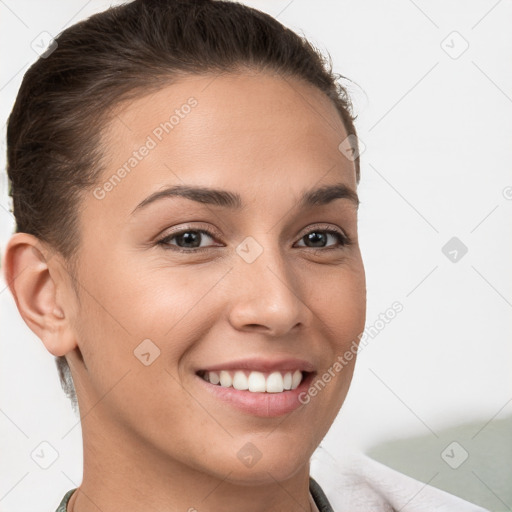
{"points": [[139, 301], [338, 299], [133, 330], [340, 311]]}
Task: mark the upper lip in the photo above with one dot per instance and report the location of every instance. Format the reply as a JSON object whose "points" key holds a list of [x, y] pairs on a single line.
{"points": [[262, 365]]}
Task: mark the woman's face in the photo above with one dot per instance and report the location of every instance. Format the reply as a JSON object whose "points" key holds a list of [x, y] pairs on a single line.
{"points": [[249, 276]]}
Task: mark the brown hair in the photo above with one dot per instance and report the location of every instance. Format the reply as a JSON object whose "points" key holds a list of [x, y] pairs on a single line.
{"points": [[53, 131]]}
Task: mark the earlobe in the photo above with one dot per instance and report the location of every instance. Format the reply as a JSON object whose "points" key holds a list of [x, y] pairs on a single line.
{"points": [[35, 286]]}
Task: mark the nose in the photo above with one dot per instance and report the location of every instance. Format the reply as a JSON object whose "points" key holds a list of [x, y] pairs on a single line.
{"points": [[267, 296]]}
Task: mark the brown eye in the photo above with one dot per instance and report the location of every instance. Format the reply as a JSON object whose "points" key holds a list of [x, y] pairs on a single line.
{"points": [[317, 239], [187, 240]]}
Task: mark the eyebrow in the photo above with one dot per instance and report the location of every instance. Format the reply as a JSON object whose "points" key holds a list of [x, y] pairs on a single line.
{"points": [[205, 195]]}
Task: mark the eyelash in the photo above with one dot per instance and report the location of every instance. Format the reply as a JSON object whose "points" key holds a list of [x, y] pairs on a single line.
{"points": [[343, 240]]}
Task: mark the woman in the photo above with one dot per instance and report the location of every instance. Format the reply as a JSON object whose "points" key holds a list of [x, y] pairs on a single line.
{"points": [[184, 180]]}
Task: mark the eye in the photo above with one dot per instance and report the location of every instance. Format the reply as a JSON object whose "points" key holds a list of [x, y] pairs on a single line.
{"points": [[318, 238], [188, 240]]}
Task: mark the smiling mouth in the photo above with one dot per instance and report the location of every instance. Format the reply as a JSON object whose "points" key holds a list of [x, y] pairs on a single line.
{"points": [[254, 381]]}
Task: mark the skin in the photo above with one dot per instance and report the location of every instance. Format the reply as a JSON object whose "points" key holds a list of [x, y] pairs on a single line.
{"points": [[153, 439]]}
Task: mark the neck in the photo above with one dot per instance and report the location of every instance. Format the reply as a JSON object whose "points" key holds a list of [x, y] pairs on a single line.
{"points": [[122, 473]]}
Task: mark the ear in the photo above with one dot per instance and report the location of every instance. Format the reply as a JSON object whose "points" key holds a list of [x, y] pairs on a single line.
{"points": [[38, 288]]}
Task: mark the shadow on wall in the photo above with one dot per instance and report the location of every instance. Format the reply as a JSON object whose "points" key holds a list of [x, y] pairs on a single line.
{"points": [[472, 461]]}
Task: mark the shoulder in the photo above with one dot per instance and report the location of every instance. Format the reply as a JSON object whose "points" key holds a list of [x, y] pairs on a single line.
{"points": [[361, 484], [64, 502]]}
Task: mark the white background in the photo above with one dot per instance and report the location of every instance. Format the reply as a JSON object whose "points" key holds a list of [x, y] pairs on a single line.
{"points": [[437, 164]]}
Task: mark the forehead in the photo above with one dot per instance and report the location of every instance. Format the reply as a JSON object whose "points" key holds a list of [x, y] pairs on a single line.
{"points": [[239, 131]]}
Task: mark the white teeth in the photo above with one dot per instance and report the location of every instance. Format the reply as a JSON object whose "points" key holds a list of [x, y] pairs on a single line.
{"points": [[296, 379], [275, 383], [255, 382], [225, 379], [240, 381]]}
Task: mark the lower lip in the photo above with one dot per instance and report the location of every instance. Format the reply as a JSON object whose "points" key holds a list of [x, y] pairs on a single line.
{"points": [[267, 405]]}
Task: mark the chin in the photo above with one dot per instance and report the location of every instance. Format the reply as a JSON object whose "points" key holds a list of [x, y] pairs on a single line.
{"points": [[268, 473], [270, 458]]}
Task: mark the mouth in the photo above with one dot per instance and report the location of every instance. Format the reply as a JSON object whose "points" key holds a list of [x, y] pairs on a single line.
{"points": [[258, 387], [255, 381]]}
